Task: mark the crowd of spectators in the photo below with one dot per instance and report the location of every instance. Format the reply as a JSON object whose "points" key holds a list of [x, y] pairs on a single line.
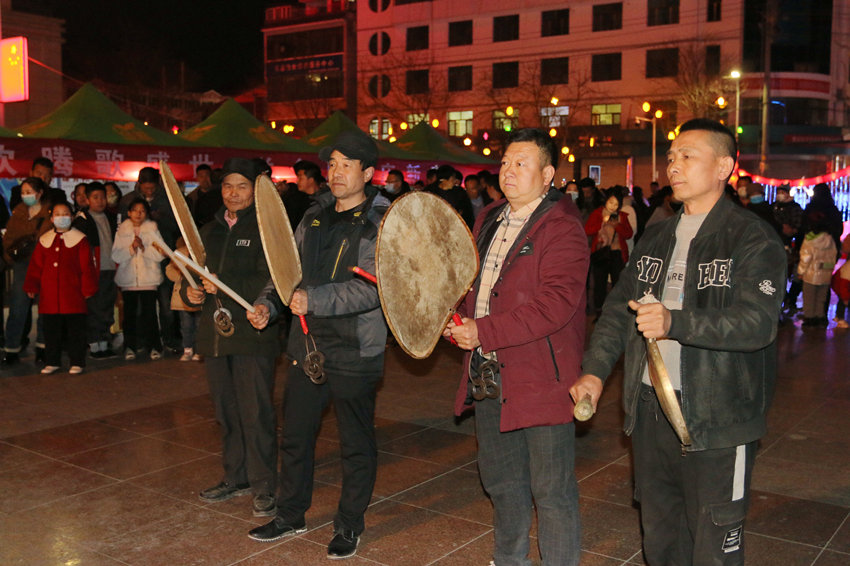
{"points": [[119, 231]]}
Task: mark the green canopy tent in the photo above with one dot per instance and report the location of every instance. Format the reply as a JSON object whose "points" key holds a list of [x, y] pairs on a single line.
{"points": [[90, 116], [232, 126], [338, 122], [428, 143]]}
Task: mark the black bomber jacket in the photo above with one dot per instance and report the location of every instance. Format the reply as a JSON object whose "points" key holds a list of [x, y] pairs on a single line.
{"points": [[734, 287]]}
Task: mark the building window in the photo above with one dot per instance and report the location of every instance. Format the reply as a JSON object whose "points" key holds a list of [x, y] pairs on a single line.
{"points": [[712, 60], [460, 33], [606, 67], [554, 116], [714, 11], [555, 71], [605, 114], [608, 16], [506, 75], [417, 38], [379, 43], [662, 62], [379, 5], [662, 12], [555, 22], [506, 28], [417, 81], [379, 86], [502, 121], [460, 123], [305, 44], [415, 118], [380, 128], [460, 78]]}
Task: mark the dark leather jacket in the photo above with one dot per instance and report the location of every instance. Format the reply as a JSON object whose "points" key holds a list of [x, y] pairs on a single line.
{"points": [[734, 286]]}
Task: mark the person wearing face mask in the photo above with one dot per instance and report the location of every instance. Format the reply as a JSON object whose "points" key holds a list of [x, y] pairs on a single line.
{"points": [[62, 273], [29, 220], [395, 185]]}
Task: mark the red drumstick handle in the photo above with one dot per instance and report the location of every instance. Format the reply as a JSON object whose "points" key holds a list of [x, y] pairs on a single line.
{"points": [[364, 274], [456, 319], [303, 324]]}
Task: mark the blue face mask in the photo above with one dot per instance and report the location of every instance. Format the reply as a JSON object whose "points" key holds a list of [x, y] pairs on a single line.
{"points": [[755, 199], [29, 200], [62, 222]]}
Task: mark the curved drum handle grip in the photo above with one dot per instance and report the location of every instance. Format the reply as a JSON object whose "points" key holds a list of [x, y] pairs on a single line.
{"points": [[303, 324], [583, 409], [456, 319]]}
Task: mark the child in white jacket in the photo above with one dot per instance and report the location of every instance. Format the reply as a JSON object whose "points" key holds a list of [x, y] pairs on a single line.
{"points": [[138, 275], [817, 259]]}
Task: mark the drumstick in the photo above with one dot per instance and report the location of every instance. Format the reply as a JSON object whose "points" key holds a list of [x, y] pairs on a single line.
{"points": [[215, 281], [180, 265], [584, 408]]}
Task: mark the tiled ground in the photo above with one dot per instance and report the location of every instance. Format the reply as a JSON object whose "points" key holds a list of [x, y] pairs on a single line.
{"points": [[104, 469]]}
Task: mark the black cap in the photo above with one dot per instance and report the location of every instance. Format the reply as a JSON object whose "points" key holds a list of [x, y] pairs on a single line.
{"points": [[248, 168], [353, 144]]}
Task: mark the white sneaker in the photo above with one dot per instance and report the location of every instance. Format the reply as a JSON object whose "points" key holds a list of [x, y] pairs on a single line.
{"points": [[75, 370], [187, 355], [129, 354], [155, 354], [47, 370]]}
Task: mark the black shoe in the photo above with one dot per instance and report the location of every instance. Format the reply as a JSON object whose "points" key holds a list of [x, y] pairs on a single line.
{"points": [[343, 545], [277, 529], [224, 491], [10, 359], [264, 505], [39, 354], [103, 354]]}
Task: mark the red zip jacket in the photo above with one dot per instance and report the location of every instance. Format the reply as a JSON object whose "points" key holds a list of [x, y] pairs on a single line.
{"points": [[62, 273], [536, 323]]}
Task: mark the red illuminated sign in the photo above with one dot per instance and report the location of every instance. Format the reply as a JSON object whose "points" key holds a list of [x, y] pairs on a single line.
{"points": [[14, 70]]}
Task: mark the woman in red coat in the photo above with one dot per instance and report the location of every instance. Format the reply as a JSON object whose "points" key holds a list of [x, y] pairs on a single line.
{"points": [[608, 229], [63, 275]]}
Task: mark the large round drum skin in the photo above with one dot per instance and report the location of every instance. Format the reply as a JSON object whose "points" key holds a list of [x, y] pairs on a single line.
{"points": [[425, 262]]}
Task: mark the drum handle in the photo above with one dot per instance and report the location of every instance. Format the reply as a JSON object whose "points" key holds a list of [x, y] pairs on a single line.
{"points": [[303, 324]]}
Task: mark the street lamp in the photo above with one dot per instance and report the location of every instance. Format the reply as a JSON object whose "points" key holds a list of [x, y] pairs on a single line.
{"points": [[646, 107], [736, 74]]}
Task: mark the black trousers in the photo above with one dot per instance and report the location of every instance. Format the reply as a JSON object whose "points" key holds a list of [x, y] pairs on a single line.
{"points": [[354, 403], [140, 327], [692, 505], [67, 329], [605, 262], [242, 390], [101, 308]]}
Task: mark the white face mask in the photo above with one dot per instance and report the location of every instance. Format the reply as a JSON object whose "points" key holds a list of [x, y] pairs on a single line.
{"points": [[62, 222], [390, 188], [573, 195]]}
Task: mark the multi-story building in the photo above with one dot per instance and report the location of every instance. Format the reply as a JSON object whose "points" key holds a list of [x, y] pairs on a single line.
{"points": [[583, 70], [310, 59]]}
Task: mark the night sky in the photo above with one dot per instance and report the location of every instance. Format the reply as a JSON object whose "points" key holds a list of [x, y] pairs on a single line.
{"points": [[136, 42]]}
